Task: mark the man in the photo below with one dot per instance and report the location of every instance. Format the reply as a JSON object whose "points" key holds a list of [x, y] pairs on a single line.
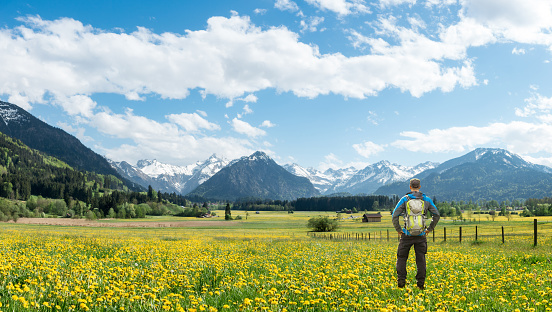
{"points": [[413, 233]]}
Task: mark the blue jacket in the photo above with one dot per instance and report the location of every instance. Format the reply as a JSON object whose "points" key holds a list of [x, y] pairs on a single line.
{"points": [[400, 210]]}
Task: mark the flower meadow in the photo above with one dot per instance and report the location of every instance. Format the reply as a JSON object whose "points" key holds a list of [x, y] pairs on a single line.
{"points": [[96, 269]]}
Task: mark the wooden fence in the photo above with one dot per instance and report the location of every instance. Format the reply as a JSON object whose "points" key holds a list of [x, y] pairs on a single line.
{"points": [[386, 235]]}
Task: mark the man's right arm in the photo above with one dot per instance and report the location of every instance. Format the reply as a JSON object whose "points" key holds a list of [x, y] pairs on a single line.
{"points": [[397, 212]]}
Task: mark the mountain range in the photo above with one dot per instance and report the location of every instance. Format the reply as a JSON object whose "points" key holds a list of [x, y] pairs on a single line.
{"points": [[254, 177], [170, 178], [485, 173]]}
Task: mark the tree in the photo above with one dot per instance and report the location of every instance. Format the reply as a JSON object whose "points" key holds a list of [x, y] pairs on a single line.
{"points": [[492, 213], [375, 205], [150, 192], [227, 213], [322, 224]]}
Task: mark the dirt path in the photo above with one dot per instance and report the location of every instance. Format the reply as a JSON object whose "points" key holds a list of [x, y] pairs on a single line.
{"points": [[105, 223]]}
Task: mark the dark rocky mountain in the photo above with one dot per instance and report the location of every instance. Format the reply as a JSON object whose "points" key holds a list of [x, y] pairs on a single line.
{"points": [[255, 176], [485, 173], [17, 123]]}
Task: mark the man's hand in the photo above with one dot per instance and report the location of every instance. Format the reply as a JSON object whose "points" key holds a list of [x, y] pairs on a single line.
{"points": [[426, 231], [400, 232]]}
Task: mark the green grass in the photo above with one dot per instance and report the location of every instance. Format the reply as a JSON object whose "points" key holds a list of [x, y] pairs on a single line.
{"points": [[268, 262]]}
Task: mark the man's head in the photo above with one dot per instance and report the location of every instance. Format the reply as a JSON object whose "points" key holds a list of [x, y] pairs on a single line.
{"points": [[415, 184]]}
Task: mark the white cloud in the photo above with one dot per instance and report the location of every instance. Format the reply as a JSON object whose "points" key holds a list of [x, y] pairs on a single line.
{"points": [[516, 136], [243, 127], [518, 51], [439, 3], [202, 113], [246, 111], [151, 139], [341, 7], [388, 3], [230, 58], [77, 104], [192, 122], [545, 161], [286, 5], [331, 161], [368, 149], [535, 105], [311, 23], [267, 124], [523, 21], [372, 118], [260, 11], [250, 98]]}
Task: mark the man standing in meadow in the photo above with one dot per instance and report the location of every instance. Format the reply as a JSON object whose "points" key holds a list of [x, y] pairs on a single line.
{"points": [[413, 207]]}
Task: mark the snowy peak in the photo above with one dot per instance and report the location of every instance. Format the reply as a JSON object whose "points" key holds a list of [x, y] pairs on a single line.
{"points": [[202, 171], [11, 113], [171, 178], [154, 168], [258, 156], [372, 177], [322, 181]]}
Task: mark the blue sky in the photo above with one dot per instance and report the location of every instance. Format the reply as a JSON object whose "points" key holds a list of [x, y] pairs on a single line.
{"points": [[322, 83]]}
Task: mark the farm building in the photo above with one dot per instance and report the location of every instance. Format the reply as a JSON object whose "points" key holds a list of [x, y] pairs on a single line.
{"points": [[371, 217]]}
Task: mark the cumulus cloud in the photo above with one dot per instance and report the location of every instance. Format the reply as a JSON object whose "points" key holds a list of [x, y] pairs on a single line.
{"points": [[368, 149], [341, 7], [230, 58], [192, 122], [388, 3], [524, 21], [517, 136], [518, 51], [536, 104], [243, 127], [286, 5], [152, 139], [311, 23], [267, 124]]}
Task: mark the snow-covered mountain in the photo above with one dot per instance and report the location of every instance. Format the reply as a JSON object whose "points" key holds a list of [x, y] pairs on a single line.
{"points": [[154, 168], [375, 175], [322, 181], [354, 181], [255, 176], [484, 173], [171, 178]]}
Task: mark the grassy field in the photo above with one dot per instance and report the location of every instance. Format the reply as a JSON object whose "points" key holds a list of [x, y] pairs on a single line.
{"points": [[269, 263]]}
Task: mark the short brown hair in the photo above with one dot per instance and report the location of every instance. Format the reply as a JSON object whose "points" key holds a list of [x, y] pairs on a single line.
{"points": [[415, 183]]}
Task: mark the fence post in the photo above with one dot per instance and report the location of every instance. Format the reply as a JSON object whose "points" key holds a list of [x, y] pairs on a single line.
{"points": [[535, 230], [433, 235], [445, 234], [503, 234], [460, 234], [476, 232], [387, 235], [368, 236]]}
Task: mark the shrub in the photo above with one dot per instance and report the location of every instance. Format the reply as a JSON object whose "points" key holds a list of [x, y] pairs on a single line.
{"points": [[90, 215], [322, 224]]}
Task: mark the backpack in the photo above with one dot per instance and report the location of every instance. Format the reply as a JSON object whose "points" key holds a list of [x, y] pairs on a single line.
{"points": [[415, 218]]}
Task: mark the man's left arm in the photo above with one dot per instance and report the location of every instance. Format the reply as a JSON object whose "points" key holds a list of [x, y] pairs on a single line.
{"points": [[435, 216]]}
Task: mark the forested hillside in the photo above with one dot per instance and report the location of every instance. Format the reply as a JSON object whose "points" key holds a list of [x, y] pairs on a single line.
{"points": [[24, 171]]}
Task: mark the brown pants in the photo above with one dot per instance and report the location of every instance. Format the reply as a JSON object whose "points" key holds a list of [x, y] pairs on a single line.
{"points": [[420, 249]]}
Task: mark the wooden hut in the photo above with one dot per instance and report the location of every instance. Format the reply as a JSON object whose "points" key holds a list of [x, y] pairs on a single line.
{"points": [[371, 217]]}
